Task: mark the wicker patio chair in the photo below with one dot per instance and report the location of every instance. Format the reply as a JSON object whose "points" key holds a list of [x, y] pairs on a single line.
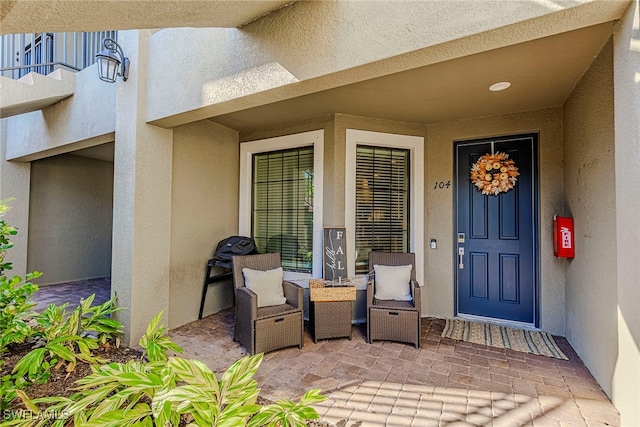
{"points": [[264, 329], [390, 319]]}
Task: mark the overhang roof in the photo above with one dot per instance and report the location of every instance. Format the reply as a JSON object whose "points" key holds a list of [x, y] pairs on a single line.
{"points": [[542, 74], [33, 16]]}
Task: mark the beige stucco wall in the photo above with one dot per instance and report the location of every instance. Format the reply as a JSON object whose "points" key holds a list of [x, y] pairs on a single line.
{"points": [[625, 384], [15, 180], [590, 199], [34, 91], [142, 201], [439, 206], [70, 218], [83, 120], [204, 210]]}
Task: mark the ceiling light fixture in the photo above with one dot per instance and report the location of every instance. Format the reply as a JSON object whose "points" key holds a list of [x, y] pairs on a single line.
{"points": [[109, 61], [497, 87]]}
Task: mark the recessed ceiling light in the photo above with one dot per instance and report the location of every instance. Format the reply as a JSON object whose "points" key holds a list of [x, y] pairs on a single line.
{"points": [[497, 87]]}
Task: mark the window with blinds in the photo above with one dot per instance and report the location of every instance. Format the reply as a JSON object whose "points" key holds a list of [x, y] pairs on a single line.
{"points": [[282, 206], [382, 202]]}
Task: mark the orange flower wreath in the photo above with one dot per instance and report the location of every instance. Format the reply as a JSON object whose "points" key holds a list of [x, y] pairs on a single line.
{"points": [[494, 173]]}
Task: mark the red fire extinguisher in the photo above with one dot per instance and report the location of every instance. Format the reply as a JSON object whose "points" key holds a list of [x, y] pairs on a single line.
{"points": [[563, 242]]}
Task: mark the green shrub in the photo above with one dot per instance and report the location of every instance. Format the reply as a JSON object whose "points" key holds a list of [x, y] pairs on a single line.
{"points": [[15, 296], [61, 338], [287, 413], [8, 387], [65, 338], [117, 393], [120, 391], [5, 231], [164, 390], [229, 401], [156, 343], [15, 309]]}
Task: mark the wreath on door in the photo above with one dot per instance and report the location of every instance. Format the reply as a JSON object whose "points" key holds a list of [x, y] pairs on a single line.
{"points": [[494, 173]]}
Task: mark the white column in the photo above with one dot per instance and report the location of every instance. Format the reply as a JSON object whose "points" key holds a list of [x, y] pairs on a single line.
{"points": [[142, 198], [15, 183], [626, 377]]}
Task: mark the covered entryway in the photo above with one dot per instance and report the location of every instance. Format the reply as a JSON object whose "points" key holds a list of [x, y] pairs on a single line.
{"points": [[71, 216], [496, 234]]}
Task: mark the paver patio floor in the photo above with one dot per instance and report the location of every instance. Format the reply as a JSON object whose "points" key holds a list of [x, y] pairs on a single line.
{"points": [[445, 383]]}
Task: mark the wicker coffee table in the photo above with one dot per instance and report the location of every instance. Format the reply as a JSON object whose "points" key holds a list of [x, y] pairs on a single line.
{"points": [[330, 310]]}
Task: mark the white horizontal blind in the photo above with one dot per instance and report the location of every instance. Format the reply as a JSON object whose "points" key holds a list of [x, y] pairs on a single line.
{"points": [[282, 206], [382, 202]]}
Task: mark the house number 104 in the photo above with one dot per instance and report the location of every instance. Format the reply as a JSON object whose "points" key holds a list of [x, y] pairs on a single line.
{"points": [[441, 185]]}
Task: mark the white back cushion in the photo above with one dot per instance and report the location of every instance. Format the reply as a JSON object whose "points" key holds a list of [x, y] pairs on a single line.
{"points": [[392, 282], [266, 284]]}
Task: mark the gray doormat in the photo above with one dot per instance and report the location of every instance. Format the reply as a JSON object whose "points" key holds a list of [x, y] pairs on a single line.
{"points": [[533, 342]]}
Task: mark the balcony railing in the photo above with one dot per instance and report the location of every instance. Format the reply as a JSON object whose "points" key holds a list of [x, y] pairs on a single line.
{"points": [[42, 53]]}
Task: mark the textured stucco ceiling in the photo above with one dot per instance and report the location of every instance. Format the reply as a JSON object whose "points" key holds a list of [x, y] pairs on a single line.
{"points": [[31, 16], [543, 73], [103, 152]]}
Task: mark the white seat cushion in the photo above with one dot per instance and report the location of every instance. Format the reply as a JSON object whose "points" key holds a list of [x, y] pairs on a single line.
{"points": [[266, 284], [393, 282]]}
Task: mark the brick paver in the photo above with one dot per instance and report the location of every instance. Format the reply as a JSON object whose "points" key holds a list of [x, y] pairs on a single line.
{"points": [[73, 293], [445, 383]]}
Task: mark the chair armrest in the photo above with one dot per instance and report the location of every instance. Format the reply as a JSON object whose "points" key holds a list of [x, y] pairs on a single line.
{"points": [[416, 295], [246, 302], [370, 292], [293, 293]]}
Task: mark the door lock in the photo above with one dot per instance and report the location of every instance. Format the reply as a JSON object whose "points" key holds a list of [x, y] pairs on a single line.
{"points": [[460, 258]]}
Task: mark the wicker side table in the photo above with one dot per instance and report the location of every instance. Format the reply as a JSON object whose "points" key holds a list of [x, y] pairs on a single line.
{"points": [[330, 310], [330, 319]]}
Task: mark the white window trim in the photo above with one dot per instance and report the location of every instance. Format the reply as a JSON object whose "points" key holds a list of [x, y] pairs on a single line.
{"points": [[248, 149], [415, 145]]}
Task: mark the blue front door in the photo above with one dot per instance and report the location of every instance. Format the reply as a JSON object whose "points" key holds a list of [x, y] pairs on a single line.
{"points": [[496, 235]]}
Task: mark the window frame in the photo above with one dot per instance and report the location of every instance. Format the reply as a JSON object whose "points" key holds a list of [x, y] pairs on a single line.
{"points": [[40, 50], [415, 145], [247, 150], [393, 197]]}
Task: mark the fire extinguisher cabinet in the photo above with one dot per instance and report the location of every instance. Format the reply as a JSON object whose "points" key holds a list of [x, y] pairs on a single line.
{"points": [[563, 241]]}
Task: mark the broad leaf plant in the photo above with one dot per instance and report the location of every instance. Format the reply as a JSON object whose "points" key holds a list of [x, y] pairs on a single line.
{"points": [[163, 390]]}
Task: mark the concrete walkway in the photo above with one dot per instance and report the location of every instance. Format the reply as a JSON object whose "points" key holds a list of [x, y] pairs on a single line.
{"points": [[445, 383]]}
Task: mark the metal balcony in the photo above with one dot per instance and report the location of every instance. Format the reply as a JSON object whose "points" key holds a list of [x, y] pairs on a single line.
{"points": [[42, 53]]}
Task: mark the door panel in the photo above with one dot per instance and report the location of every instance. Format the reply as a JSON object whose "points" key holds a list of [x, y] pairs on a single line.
{"points": [[509, 215], [509, 274], [479, 275], [496, 275], [480, 207]]}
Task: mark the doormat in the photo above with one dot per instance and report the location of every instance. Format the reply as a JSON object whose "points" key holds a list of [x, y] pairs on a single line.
{"points": [[533, 342]]}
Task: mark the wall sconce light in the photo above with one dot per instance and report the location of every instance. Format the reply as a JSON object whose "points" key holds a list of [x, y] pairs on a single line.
{"points": [[109, 61]]}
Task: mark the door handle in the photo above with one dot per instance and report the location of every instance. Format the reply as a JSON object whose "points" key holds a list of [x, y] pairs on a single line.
{"points": [[460, 259]]}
